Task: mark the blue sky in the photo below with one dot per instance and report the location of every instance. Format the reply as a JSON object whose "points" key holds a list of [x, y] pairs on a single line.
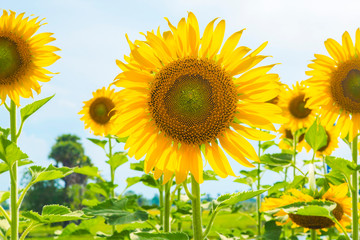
{"points": [[91, 35]]}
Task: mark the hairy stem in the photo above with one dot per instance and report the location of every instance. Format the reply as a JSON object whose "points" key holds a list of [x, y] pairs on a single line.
{"points": [[179, 198], [167, 207], [258, 198], [161, 203], [196, 209], [355, 192]]}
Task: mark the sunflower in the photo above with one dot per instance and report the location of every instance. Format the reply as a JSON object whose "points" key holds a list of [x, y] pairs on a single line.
{"points": [[336, 194], [293, 101], [286, 133], [23, 56], [185, 99], [99, 111], [334, 85], [331, 144]]}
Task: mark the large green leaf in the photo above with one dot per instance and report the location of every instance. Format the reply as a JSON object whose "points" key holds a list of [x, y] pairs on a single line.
{"points": [[272, 231], [31, 108], [304, 208], [230, 199], [316, 136], [115, 212], [132, 180], [267, 144], [138, 166], [10, 152], [277, 159], [118, 159], [341, 166], [40, 173], [4, 167], [160, 236], [103, 188], [5, 132], [100, 143], [88, 171], [53, 214], [209, 175]]}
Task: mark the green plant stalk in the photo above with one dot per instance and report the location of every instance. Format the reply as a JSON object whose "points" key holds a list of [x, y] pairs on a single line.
{"points": [[14, 208], [258, 198], [355, 192], [28, 229], [2, 210], [153, 226], [210, 224], [112, 171], [167, 207], [294, 153], [196, 209], [342, 228], [313, 234], [179, 198], [161, 201]]}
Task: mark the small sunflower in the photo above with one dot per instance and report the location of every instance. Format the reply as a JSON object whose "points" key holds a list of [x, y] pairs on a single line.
{"points": [[331, 144], [186, 98], [99, 110], [293, 102], [23, 56], [336, 194], [334, 85], [287, 134]]}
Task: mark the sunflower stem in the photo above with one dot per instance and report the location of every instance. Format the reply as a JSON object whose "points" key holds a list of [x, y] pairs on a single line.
{"points": [[355, 192], [167, 207], [161, 201], [196, 209], [258, 198], [342, 228], [14, 209], [313, 234], [179, 198], [294, 152], [112, 172]]}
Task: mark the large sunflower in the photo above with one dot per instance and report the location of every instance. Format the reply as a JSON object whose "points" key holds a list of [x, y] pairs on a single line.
{"points": [[334, 86], [293, 101], [98, 111], [23, 56], [184, 98], [336, 194]]}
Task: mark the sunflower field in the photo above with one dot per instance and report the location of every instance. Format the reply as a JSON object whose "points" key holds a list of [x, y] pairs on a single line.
{"points": [[189, 106]]}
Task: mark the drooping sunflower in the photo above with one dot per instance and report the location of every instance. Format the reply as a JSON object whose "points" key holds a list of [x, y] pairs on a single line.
{"points": [[336, 194], [185, 99], [293, 101], [331, 144], [334, 85], [286, 133], [23, 56], [99, 111]]}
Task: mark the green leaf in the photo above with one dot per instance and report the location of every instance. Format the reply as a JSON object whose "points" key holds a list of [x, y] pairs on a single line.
{"points": [[277, 186], [160, 236], [53, 214], [100, 143], [118, 159], [5, 132], [10, 152], [230, 199], [139, 166], [306, 208], [209, 175], [149, 180], [4, 195], [272, 231], [103, 188], [88, 171], [31, 108], [39, 173], [121, 140], [267, 144], [340, 165], [277, 159], [114, 211], [4, 167], [314, 211], [132, 180], [316, 136], [297, 182]]}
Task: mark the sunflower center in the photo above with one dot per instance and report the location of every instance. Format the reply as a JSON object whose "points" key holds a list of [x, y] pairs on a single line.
{"points": [[316, 222], [10, 59], [297, 107], [100, 110], [345, 86], [192, 100]]}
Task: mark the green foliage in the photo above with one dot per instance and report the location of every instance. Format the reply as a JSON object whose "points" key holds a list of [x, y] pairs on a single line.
{"points": [[341, 166], [10, 152], [115, 212], [272, 231], [227, 200], [100, 143], [117, 159], [209, 175], [39, 173], [313, 208], [4, 195], [103, 188], [53, 214], [161, 236], [5, 132], [138, 166], [89, 171], [267, 144], [277, 159], [5, 167], [31, 108], [316, 136]]}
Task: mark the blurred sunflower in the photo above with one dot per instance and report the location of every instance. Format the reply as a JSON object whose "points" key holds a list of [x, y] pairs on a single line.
{"points": [[287, 134], [23, 56], [334, 85], [99, 110], [331, 144], [185, 97], [293, 102], [336, 194]]}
